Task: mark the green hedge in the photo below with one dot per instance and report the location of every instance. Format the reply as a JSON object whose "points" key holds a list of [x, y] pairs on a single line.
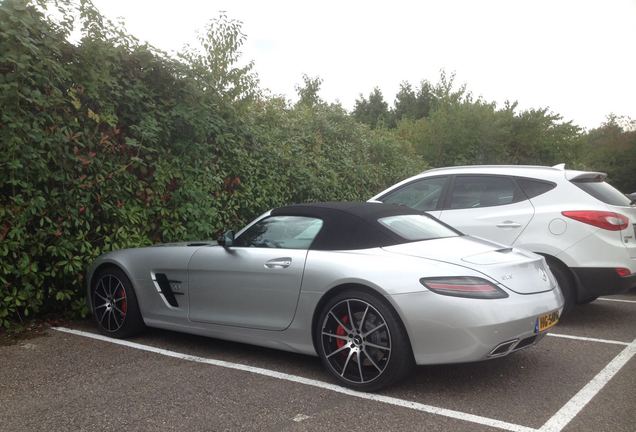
{"points": [[108, 144]]}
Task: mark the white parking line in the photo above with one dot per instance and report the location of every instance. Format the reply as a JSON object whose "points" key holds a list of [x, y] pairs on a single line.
{"points": [[570, 410], [310, 382], [616, 300], [588, 339]]}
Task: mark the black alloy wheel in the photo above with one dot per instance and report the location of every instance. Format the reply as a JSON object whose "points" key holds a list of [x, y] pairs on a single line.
{"points": [[362, 342]]}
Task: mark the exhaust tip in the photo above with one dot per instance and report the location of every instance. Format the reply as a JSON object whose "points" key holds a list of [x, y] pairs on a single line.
{"points": [[503, 348]]}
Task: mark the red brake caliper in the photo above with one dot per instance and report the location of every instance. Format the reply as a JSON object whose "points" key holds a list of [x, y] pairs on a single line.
{"points": [[124, 303], [340, 331]]}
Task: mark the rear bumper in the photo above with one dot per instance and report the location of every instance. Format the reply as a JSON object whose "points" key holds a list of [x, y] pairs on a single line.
{"points": [[594, 282], [446, 329]]}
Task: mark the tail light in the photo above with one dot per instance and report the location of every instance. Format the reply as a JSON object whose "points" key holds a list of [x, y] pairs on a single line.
{"points": [[602, 219], [464, 286], [623, 272]]}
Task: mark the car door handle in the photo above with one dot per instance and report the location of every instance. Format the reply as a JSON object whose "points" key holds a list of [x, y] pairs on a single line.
{"points": [[278, 263], [509, 224]]}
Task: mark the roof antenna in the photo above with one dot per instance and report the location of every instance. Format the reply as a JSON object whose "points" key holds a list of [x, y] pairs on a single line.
{"points": [[560, 166]]}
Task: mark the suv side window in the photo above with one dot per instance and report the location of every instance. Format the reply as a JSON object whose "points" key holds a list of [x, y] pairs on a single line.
{"points": [[483, 191], [533, 187], [288, 232], [423, 194]]}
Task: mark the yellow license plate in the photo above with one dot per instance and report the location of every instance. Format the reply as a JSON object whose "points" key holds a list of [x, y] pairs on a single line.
{"points": [[548, 320]]}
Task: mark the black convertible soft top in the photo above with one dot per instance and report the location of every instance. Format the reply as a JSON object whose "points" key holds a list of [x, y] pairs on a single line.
{"points": [[350, 225]]}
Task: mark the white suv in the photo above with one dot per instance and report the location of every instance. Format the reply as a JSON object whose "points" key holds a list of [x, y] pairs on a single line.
{"points": [[583, 226]]}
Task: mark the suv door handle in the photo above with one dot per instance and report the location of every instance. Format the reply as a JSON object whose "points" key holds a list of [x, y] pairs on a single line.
{"points": [[278, 263], [509, 224]]}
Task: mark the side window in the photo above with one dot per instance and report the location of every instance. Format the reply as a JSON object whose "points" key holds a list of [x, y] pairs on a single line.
{"points": [[287, 232], [421, 194], [533, 188], [483, 191]]}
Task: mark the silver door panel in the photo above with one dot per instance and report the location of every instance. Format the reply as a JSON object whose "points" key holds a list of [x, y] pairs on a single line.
{"points": [[246, 287]]}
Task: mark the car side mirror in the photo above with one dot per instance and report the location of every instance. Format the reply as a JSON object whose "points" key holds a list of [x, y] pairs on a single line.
{"points": [[227, 239]]}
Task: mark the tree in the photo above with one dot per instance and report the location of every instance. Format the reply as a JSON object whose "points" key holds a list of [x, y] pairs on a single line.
{"points": [[216, 62], [373, 111], [308, 92], [611, 148], [413, 103]]}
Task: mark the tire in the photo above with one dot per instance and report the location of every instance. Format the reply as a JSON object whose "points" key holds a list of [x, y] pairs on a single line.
{"points": [[114, 304], [566, 283], [373, 353], [587, 300]]}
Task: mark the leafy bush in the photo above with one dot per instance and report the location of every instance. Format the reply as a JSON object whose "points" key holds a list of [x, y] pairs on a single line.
{"points": [[108, 143]]}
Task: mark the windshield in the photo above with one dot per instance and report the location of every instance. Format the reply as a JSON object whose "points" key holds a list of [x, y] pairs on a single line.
{"points": [[417, 227]]}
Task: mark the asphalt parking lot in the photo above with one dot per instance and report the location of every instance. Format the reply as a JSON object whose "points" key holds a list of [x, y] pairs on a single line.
{"points": [[580, 378]]}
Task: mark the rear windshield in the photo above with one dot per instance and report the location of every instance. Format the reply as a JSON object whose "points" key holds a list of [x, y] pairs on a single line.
{"points": [[604, 192], [417, 227]]}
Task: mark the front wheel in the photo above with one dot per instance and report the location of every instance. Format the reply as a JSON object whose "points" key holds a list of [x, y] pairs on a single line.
{"points": [[362, 342], [115, 305]]}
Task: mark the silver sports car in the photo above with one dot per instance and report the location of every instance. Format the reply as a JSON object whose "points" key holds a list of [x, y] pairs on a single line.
{"points": [[371, 288]]}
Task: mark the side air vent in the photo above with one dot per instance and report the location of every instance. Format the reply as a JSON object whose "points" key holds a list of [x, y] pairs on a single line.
{"points": [[164, 285]]}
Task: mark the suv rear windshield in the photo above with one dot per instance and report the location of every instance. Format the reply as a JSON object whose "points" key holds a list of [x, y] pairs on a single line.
{"points": [[417, 227], [604, 192]]}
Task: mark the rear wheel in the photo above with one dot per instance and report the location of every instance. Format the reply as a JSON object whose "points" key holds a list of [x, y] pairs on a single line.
{"points": [[115, 305], [587, 300], [362, 342], [566, 283]]}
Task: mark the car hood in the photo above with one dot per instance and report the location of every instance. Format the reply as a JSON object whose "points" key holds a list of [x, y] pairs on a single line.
{"points": [[518, 270]]}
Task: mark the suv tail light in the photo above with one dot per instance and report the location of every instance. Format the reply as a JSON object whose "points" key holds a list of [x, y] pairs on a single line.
{"points": [[623, 272], [464, 286], [602, 219]]}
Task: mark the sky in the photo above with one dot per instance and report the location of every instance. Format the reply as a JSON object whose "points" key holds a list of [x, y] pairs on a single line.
{"points": [[578, 58]]}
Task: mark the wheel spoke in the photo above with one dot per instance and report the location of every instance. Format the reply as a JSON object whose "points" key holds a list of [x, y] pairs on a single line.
{"points": [[119, 284], [110, 285], [377, 346], [103, 315], [101, 284], [117, 300], [360, 366], [101, 306], [344, 368], [342, 348], [119, 310], [364, 315], [373, 330], [115, 319], [100, 296], [353, 326], [372, 361], [340, 322], [110, 315], [335, 336]]}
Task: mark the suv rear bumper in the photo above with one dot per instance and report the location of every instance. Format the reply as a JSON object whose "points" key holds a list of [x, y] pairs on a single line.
{"points": [[594, 282]]}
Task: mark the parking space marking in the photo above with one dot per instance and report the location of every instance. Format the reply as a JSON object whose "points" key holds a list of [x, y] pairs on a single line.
{"points": [[588, 339], [570, 410], [616, 300], [310, 382]]}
